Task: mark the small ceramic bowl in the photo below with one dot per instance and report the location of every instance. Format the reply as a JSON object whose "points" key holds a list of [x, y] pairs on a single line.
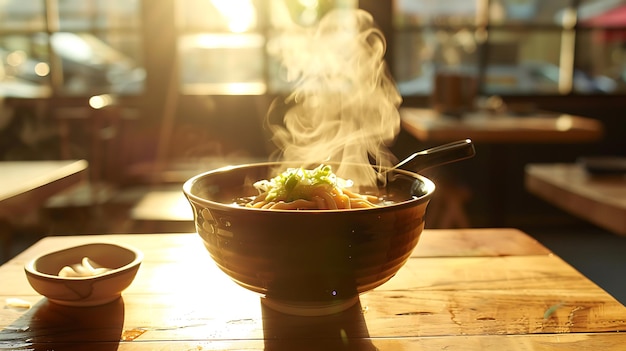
{"points": [[110, 269]]}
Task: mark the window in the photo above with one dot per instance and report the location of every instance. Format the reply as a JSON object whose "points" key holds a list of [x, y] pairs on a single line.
{"points": [[70, 47], [87, 47], [600, 55], [223, 44], [513, 47], [221, 47]]}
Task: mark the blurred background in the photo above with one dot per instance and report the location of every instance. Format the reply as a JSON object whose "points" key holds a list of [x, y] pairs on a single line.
{"points": [[150, 92]]}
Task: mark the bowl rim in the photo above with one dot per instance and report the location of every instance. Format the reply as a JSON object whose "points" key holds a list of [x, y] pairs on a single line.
{"points": [[187, 186], [30, 270]]}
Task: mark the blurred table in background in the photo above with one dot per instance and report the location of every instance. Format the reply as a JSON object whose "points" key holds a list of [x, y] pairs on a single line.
{"points": [[32, 182], [471, 289], [26, 185], [484, 127], [163, 209], [164, 206], [600, 199]]}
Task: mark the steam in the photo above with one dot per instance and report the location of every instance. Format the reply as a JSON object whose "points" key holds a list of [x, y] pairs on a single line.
{"points": [[344, 107]]}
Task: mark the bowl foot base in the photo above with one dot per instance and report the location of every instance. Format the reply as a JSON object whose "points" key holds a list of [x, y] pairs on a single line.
{"points": [[309, 309], [85, 303]]}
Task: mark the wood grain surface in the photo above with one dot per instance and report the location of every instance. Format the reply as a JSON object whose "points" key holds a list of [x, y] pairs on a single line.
{"points": [[474, 289]]}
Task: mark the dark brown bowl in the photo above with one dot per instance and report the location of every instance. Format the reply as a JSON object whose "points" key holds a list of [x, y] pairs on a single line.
{"points": [[306, 262]]}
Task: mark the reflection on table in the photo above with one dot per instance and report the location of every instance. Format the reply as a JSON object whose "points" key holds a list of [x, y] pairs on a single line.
{"points": [[473, 289]]}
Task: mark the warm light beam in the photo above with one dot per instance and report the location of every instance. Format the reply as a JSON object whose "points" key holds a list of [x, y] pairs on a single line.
{"points": [[240, 14]]}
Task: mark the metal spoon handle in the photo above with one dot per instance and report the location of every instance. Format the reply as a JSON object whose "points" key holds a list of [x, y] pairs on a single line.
{"points": [[438, 155]]}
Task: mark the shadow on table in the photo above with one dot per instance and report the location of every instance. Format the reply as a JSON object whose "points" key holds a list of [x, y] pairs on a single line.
{"points": [[341, 331], [50, 326]]}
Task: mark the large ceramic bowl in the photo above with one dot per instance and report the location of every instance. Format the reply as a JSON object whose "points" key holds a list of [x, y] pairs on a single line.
{"points": [[119, 266], [306, 262]]}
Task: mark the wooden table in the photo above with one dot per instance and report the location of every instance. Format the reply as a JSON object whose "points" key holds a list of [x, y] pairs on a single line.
{"points": [[472, 289], [23, 180], [600, 199], [162, 210], [25, 185], [166, 205], [429, 125]]}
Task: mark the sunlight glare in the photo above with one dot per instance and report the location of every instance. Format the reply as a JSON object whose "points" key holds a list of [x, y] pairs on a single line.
{"points": [[240, 14], [99, 101], [564, 122], [16, 58], [42, 69], [182, 209]]}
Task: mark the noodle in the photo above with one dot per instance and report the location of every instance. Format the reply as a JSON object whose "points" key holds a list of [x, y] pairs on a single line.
{"points": [[301, 189]]}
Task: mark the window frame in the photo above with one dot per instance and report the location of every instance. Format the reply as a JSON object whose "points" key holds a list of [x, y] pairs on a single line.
{"points": [[569, 32]]}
